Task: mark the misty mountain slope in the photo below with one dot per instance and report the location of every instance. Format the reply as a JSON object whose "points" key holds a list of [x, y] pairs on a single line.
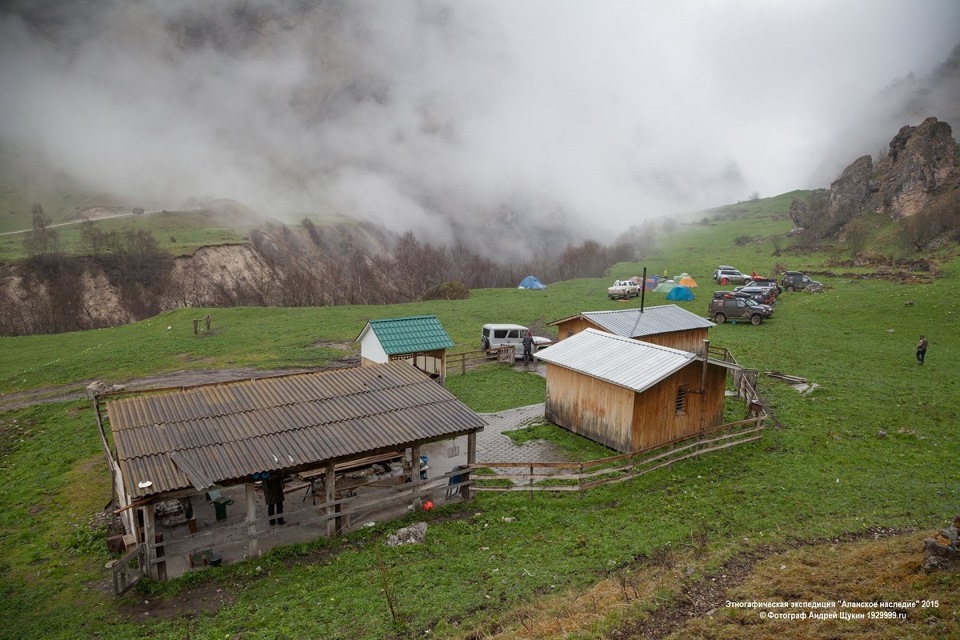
{"points": [[487, 124], [909, 99]]}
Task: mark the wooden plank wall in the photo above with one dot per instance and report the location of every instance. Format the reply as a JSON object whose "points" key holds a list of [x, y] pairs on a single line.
{"points": [[574, 326], [690, 340], [655, 419], [590, 407]]}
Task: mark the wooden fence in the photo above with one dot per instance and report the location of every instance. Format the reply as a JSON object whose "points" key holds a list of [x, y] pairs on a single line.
{"points": [[460, 363], [580, 476], [128, 570]]}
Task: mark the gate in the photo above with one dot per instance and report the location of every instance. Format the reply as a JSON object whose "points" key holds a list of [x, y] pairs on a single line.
{"points": [[129, 569]]}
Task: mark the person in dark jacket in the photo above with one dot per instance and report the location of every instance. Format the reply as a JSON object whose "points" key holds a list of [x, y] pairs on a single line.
{"points": [[273, 496], [921, 350], [527, 347]]}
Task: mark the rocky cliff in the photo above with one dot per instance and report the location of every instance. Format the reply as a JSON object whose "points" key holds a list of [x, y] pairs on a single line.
{"points": [[919, 168]]}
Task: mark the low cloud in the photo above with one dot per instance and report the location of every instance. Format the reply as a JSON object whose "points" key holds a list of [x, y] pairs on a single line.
{"points": [[452, 117]]}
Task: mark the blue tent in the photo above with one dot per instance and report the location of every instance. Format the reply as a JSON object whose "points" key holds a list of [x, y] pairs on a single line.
{"points": [[680, 292], [531, 282]]}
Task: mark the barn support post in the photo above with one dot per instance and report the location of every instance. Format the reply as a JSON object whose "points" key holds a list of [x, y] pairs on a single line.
{"points": [[415, 476], [329, 482], [467, 491], [703, 373], [149, 540], [253, 546]]}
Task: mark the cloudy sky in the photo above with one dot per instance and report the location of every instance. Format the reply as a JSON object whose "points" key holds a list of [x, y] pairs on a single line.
{"points": [[435, 115]]}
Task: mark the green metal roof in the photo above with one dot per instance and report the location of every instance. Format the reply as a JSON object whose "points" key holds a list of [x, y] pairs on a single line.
{"points": [[410, 335]]}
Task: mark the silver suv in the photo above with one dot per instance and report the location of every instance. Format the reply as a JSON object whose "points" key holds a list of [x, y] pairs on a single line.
{"points": [[730, 276]]}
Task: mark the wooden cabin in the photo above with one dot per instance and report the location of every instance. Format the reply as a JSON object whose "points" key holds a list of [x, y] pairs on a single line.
{"points": [[666, 325], [631, 395], [420, 340], [202, 443]]}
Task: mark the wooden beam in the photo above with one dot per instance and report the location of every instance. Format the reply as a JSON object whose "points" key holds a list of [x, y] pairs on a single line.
{"points": [[330, 494], [150, 539], [253, 547], [467, 491], [415, 476]]}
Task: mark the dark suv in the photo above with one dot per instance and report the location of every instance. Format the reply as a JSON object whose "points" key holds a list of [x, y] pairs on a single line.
{"points": [[763, 295], [797, 281], [760, 281], [735, 307]]}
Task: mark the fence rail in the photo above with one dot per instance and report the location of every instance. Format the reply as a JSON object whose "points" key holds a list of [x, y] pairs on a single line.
{"points": [[581, 476], [460, 363], [128, 570], [345, 512]]}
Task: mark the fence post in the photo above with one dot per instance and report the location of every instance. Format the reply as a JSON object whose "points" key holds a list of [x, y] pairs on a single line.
{"points": [[531, 481]]}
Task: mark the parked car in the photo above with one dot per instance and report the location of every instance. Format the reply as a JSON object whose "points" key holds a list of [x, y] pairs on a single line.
{"points": [[624, 289], [735, 307], [730, 276], [798, 281], [723, 267], [494, 336], [760, 281], [763, 295]]}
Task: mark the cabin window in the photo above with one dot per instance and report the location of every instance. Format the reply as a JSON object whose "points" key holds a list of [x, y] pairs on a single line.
{"points": [[681, 404]]}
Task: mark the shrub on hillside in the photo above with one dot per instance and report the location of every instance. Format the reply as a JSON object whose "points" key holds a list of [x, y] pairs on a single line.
{"points": [[453, 290]]}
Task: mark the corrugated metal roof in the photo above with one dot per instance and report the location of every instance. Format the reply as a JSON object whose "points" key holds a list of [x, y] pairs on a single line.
{"points": [[632, 323], [621, 361], [217, 433], [409, 335]]}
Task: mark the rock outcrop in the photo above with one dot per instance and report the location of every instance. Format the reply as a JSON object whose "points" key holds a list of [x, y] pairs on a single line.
{"points": [[920, 167]]}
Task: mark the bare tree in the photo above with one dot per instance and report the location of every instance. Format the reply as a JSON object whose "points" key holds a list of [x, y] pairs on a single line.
{"points": [[42, 242]]}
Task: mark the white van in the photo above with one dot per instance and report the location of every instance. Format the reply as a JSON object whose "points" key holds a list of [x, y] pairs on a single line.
{"points": [[494, 336]]}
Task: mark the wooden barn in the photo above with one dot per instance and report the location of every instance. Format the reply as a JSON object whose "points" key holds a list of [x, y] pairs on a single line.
{"points": [[631, 395], [666, 325], [420, 340], [197, 445]]}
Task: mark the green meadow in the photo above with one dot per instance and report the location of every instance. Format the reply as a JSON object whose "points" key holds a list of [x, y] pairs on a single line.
{"points": [[874, 445]]}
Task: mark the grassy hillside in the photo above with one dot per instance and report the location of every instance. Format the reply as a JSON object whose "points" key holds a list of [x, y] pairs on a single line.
{"points": [[823, 471]]}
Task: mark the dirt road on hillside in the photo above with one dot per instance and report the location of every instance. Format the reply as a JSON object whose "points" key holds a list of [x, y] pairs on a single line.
{"points": [[78, 390]]}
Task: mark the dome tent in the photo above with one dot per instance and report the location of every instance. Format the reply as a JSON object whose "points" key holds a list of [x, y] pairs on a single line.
{"points": [[665, 286], [687, 281], [531, 282], [680, 292]]}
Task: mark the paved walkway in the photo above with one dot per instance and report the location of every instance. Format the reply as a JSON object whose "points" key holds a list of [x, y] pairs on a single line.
{"points": [[493, 446]]}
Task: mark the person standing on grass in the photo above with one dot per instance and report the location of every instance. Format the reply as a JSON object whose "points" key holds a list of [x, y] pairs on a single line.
{"points": [[921, 350]]}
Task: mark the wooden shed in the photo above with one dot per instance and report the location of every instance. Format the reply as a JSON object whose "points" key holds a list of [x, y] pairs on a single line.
{"points": [[667, 325], [420, 340], [176, 444], [631, 395]]}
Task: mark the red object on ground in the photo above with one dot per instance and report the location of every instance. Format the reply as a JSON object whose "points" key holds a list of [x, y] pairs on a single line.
{"points": [[427, 505]]}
